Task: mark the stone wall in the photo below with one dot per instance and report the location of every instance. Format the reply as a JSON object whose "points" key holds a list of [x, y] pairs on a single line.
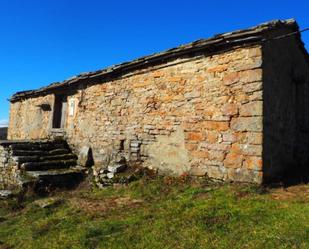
{"points": [[8, 169], [28, 120], [198, 115], [286, 111]]}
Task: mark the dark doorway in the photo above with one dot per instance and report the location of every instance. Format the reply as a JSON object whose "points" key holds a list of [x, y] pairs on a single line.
{"points": [[60, 108]]}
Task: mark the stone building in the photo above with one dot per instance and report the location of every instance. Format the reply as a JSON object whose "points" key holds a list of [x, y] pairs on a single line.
{"points": [[232, 107]]}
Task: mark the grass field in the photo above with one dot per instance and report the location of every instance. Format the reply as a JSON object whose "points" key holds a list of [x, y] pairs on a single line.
{"points": [[161, 213]]}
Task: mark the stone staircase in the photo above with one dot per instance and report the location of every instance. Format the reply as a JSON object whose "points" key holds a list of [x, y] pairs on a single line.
{"points": [[44, 164]]}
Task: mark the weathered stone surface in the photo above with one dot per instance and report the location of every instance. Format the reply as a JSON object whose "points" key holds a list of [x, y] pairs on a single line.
{"points": [[219, 146], [4, 194], [195, 136], [230, 109], [229, 137], [215, 125], [83, 157], [249, 64], [253, 88], [117, 168], [233, 160], [254, 108], [36, 163], [247, 149], [189, 111], [250, 138], [213, 136], [253, 163], [199, 170], [247, 124], [184, 117], [251, 76], [215, 155], [110, 175], [231, 78], [216, 172], [244, 175]]}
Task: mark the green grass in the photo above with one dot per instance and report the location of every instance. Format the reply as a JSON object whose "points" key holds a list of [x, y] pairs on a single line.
{"points": [[159, 213]]}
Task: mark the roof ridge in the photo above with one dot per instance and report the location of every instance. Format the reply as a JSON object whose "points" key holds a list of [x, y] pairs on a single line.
{"points": [[229, 39]]}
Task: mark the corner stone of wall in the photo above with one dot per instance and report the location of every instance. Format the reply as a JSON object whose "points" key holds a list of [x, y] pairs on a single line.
{"points": [[8, 170]]}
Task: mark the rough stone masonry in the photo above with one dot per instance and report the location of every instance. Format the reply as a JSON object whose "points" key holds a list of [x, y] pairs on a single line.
{"points": [[232, 107]]}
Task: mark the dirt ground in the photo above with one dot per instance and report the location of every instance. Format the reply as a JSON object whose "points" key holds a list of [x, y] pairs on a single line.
{"points": [[294, 192]]}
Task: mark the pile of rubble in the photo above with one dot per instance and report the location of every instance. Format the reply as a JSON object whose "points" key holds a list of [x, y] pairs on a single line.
{"points": [[5, 194], [118, 172]]}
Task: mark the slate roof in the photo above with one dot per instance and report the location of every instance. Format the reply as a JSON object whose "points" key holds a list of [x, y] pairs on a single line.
{"points": [[214, 44]]}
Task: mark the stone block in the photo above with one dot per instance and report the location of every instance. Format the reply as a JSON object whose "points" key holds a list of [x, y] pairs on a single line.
{"points": [[216, 155], [215, 172], [191, 146], [220, 147], [256, 95], [200, 153], [253, 163], [135, 149], [117, 168], [135, 144], [200, 170], [229, 137], [251, 76], [233, 160], [230, 109], [252, 88], [192, 95], [244, 175], [5, 194], [217, 69], [250, 138], [248, 64], [220, 117], [247, 124], [84, 156], [215, 125], [255, 52], [195, 136], [231, 78], [154, 132], [254, 108], [110, 175], [212, 137], [247, 149], [48, 203]]}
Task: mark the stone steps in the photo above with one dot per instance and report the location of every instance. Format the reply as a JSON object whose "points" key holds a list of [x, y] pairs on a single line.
{"points": [[48, 165], [50, 173], [45, 158], [61, 178], [46, 146], [20, 153], [45, 163]]}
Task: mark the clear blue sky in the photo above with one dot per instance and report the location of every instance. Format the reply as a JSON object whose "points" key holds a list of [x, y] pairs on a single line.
{"points": [[44, 41]]}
